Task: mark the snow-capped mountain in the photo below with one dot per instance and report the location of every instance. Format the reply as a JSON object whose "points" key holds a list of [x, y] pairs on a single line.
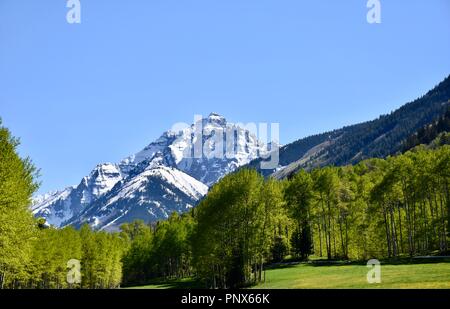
{"points": [[171, 174], [57, 207], [54, 206], [150, 195], [219, 149]]}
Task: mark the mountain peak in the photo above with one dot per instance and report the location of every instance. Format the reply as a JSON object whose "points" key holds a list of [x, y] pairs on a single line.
{"points": [[213, 115], [216, 118]]}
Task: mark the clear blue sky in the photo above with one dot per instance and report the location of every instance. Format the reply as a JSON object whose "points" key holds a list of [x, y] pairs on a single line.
{"points": [[78, 95]]}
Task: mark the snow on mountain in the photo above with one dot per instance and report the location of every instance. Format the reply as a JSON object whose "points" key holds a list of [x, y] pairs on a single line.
{"points": [[161, 144], [100, 181], [55, 206], [59, 206], [170, 174], [150, 195], [207, 150]]}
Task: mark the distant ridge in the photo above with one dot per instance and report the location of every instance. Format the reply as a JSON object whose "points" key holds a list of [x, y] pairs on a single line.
{"points": [[377, 138]]}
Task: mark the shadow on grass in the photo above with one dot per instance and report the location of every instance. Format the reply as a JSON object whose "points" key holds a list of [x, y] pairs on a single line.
{"points": [[172, 284], [335, 262], [416, 260]]}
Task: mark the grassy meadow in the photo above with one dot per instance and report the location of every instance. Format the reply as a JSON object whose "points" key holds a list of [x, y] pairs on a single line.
{"points": [[410, 274]]}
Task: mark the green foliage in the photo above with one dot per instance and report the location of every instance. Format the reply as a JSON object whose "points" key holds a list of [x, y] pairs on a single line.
{"points": [[223, 236], [51, 251], [301, 242], [136, 260], [236, 224], [161, 251], [33, 255], [171, 250], [299, 195], [101, 259], [279, 249], [17, 228]]}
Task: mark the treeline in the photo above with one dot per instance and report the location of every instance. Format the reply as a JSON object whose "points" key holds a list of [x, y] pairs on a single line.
{"points": [[47, 261], [375, 209], [33, 255], [98, 253], [161, 250]]}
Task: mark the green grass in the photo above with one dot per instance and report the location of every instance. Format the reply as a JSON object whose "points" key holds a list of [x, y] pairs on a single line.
{"points": [[401, 274], [423, 275]]}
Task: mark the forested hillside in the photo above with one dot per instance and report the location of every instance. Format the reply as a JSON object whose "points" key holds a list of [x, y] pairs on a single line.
{"points": [[372, 139], [429, 133]]}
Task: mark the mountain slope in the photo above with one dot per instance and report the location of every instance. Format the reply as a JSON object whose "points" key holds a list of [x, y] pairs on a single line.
{"points": [[377, 138], [57, 206], [150, 195]]}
